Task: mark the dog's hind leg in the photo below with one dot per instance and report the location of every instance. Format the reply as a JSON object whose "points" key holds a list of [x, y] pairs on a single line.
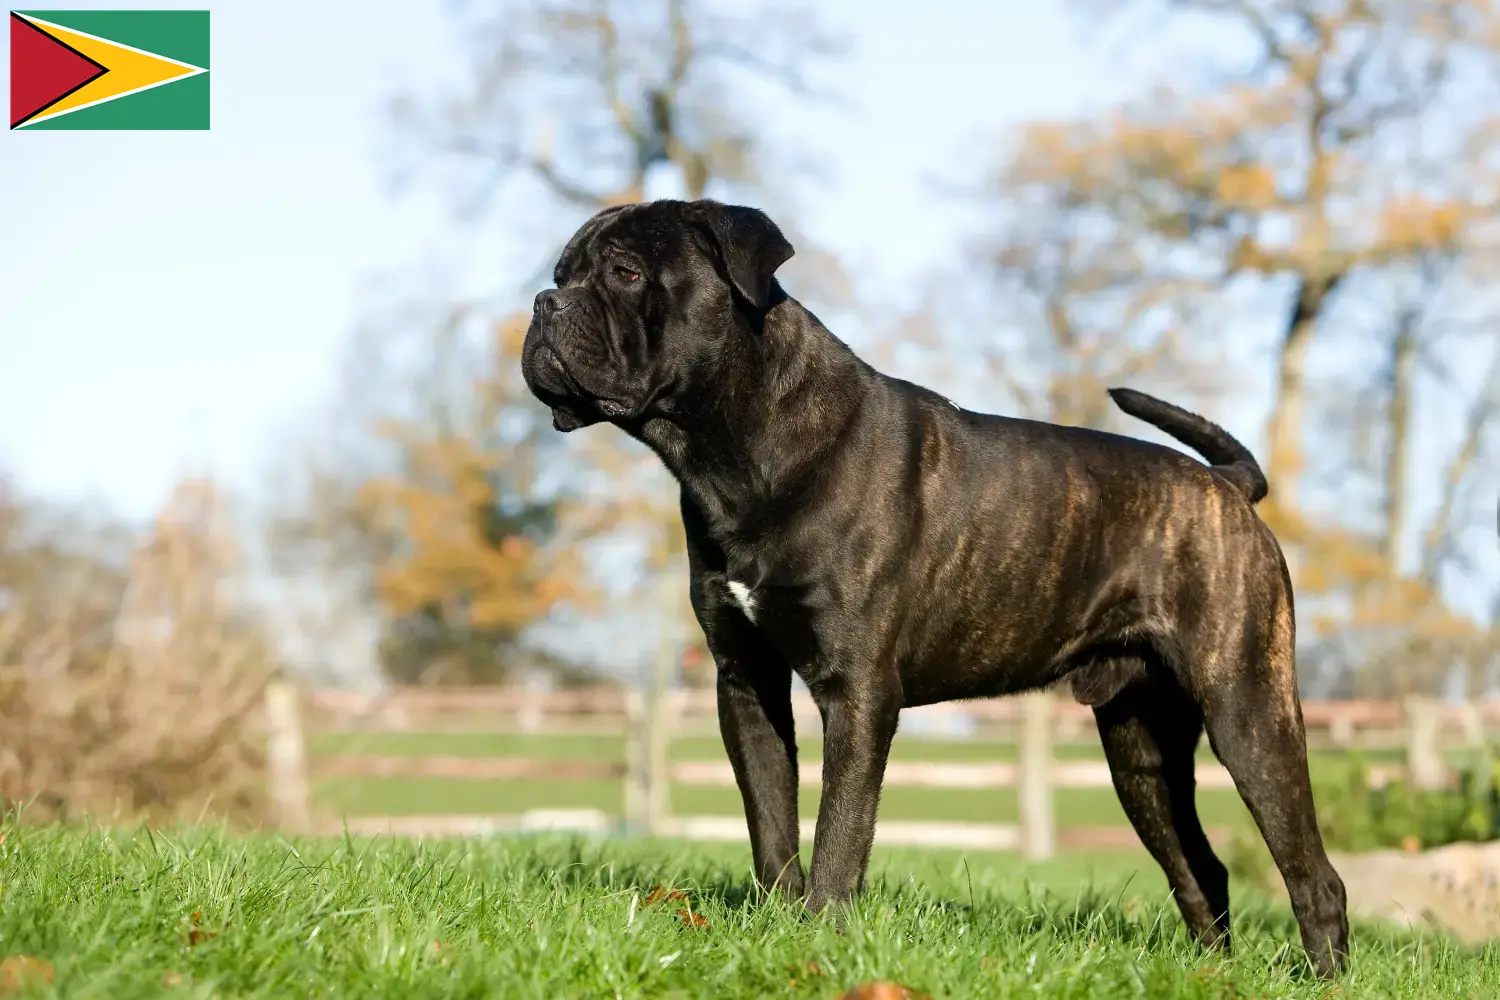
{"points": [[1254, 722], [1150, 728]]}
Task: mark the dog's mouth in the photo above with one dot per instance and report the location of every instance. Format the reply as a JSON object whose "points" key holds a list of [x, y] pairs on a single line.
{"points": [[572, 402]]}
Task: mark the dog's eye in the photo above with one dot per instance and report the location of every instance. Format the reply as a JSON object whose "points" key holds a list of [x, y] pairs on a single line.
{"points": [[627, 275]]}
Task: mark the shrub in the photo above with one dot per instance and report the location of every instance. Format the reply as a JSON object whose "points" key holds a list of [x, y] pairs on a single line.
{"points": [[130, 690], [1355, 817]]}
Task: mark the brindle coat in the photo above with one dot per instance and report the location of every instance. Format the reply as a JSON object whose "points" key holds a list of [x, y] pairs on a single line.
{"points": [[894, 550]]}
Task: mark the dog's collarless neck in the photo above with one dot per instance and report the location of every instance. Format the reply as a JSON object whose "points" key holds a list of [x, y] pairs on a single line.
{"points": [[747, 470]]}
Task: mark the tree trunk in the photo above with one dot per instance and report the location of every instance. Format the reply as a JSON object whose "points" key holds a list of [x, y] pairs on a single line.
{"points": [[1403, 369], [1284, 429]]}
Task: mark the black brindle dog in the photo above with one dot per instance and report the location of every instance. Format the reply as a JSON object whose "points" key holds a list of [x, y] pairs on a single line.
{"points": [[895, 550]]}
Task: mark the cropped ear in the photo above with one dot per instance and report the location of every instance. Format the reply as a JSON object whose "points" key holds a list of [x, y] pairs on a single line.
{"points": [[749, 245], [571, 259]]}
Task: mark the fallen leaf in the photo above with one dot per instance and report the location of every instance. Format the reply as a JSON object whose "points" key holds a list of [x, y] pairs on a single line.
{"points": [[807, 970], [883, 991], [170, 979], [661, 895], [694, 920], [20, 971], [197, 935]]}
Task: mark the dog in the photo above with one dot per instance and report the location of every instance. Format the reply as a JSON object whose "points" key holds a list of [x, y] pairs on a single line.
{"points": [[894, 550]]}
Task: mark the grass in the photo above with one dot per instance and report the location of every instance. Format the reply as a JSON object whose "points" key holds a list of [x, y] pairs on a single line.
{"points": [[410, 797], [1076, 807], [119, 914]]}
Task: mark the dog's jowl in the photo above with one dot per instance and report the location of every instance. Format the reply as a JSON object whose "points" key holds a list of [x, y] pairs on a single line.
{"points": [[893, 550]]}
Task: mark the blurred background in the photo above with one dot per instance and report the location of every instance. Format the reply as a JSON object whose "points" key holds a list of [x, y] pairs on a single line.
{"points": [[260, 406]]}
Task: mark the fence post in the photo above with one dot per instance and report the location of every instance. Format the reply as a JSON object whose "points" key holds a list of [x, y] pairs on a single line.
{"points": [[637, 763], [659, 791], [1424, 759], [1038, 836], [660, 711], [529, 719], [1472, 723], [286, 756], [1341, 730]]}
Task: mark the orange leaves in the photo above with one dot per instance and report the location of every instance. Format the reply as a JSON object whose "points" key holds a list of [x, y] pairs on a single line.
{"points": [[1159, 156], [1083, 150], [690, 920], [195, 934], [1171, 164], [882, 991], [1412, 223], [19, 973], [693, 921], [1247, 185], [662, 895], [1173, 147], [803, 973], [462, 533], [445, 511], [1299, 164]]}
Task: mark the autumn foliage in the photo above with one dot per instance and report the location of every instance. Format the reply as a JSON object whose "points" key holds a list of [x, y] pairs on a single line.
{"points": [[1297, 212], [1329, 171]]}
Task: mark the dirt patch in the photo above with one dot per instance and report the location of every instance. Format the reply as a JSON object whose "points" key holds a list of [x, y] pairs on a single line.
{"points": [[1454, 888]]}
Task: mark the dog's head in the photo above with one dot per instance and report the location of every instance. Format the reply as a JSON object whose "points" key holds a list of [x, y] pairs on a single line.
{"points": [[649, 299]]}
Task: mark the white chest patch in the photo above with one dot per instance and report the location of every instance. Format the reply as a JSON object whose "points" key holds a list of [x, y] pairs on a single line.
{"points": [[743, 598]]}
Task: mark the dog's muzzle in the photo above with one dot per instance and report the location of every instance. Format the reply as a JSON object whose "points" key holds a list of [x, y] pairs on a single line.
{"points": [[550, 378]]}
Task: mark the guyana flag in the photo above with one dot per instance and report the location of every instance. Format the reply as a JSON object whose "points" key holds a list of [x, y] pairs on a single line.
{"points": [[109, 69]]}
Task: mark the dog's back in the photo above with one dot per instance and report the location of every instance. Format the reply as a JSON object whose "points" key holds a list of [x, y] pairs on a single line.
{"points": [[1030, 543]]}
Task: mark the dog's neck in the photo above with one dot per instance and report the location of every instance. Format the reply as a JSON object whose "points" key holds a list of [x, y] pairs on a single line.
{"points": [[796, 389]]}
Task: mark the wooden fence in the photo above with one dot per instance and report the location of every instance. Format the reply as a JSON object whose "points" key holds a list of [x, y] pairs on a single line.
{"points": [[1423, 728]]}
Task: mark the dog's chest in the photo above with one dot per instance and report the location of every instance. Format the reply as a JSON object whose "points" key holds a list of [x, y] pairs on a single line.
{"points": [[781, 615], [743, 597], [769, 608]]}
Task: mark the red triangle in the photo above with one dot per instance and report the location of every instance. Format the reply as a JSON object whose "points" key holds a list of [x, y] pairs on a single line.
{"points": [[43, 70]]}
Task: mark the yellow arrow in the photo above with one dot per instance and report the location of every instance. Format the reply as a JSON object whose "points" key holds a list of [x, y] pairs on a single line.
{"points": [[130, 70]]}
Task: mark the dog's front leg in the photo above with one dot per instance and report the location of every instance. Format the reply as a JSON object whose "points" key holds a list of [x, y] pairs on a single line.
{"points": [[859, 722], [755, 718]]}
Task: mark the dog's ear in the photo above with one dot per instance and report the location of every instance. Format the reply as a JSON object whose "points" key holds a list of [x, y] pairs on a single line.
{"points": [[571, 259], [749, 245]]}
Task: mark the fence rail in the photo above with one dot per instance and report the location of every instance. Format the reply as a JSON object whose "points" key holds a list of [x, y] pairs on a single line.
{"points": [[526, 709], [1421, 727]]}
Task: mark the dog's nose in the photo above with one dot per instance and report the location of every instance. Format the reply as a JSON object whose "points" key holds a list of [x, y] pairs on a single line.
{"points": [[548, 301]]}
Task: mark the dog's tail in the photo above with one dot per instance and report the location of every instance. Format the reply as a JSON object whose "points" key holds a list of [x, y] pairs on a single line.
{"points": [[1229, 458]]}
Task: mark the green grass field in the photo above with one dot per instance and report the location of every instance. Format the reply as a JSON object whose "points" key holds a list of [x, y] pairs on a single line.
{"points": [[407, 797], [117, 915]]}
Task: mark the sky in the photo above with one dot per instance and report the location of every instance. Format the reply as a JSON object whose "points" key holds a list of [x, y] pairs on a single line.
{"points": [[178, 303], [175, 302]]}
